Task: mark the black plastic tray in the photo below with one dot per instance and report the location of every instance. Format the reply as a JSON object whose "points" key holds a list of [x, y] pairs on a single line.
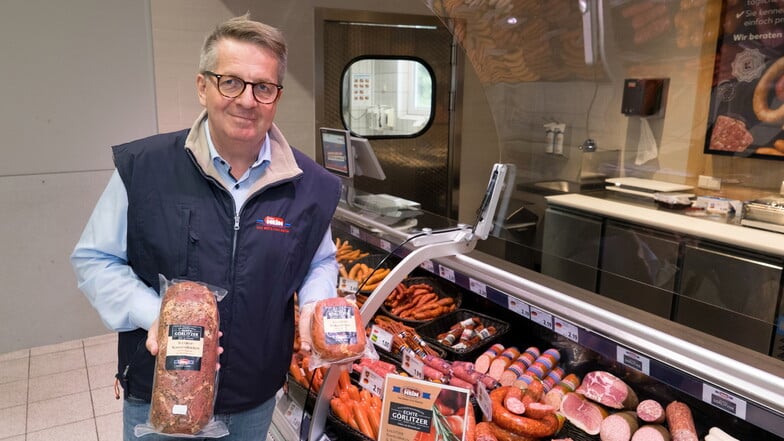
{"points": [[438, 288], [431, 330]]}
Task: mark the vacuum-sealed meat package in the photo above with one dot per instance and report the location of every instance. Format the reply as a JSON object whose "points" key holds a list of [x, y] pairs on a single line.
{"points": [[185, 380]]}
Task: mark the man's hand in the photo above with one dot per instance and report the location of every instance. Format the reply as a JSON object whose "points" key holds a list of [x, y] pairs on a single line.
{"points": [[152, 338], [152, 341], [305, 315]]}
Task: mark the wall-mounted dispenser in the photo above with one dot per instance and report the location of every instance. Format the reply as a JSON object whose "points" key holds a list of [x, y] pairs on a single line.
{"points": [[642, 97]]}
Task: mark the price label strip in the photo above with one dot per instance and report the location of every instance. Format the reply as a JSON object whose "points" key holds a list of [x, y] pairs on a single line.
{"points": [[518, 306], [724, 401], [477, 287], [542, 318], [428, 265], [413, 365], [566, 329], [372, 382], [354, 231], [446, 273], [381, 338], [633, 360]]}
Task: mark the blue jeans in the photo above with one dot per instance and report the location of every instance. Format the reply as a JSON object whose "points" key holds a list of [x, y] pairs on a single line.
{"points": [[251, 425]]}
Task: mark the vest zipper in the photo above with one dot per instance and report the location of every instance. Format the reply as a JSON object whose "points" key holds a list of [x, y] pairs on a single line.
{"points": [[234, 241]]}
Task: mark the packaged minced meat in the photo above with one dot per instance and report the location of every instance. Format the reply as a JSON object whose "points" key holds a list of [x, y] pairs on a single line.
{"points": [[185, 379]]}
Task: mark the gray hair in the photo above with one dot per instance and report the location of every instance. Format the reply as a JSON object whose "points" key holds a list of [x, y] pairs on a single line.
{"points": [[242, 28]]}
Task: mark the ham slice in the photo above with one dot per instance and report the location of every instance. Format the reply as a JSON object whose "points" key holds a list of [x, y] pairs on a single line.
{"points": [[605, 388], [583, 414]]}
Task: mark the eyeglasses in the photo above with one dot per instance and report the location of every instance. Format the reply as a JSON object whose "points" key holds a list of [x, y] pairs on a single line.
{"points": [[232, 87]]}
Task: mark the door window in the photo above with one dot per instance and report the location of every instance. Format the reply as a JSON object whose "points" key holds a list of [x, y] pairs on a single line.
{"points": [[386, 97]]}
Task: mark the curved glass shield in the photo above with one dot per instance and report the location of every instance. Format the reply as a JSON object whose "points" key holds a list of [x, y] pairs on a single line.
{"points": [[387, 97]]}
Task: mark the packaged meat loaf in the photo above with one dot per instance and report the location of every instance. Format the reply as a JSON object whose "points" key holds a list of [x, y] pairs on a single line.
{"points": [[185, 379], [337, 333]]}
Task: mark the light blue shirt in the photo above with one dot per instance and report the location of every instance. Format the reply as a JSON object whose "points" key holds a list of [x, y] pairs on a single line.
{"points": [[122, 300]]}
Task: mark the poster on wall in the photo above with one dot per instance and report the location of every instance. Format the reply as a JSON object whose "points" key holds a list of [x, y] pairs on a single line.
{"points": [[747, 98]]}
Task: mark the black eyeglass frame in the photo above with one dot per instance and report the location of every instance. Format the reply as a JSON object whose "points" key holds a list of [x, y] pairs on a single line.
{"points": [[244, 86]]}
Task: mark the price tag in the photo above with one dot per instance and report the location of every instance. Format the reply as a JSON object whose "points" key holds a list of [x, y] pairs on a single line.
{"points": [[372, 382], [724, 401], [354, 231], [381, 338], [294, 415], [446, 273], [413, 365], [385, 245], [518, 306], [633, 360], [347, 286], [568, 330], [428, 265], [543, 318], [477, 287], [483, 400]]}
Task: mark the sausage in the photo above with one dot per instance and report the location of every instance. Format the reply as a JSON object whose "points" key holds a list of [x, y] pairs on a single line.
{"points": [[514, 400], [183, 389], [455, 381], [437, 363], [650, 411], [619, 426], [533, 393], [338, 334], [483, 362], [761, 90], [519, 425], [506, 435], [651, 432], [470, 425], [484, 432], [538, 410], [680, 422], [500, 363]]}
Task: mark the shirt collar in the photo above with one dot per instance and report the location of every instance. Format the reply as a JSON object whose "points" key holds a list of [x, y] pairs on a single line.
{"points": [[264, 153]]}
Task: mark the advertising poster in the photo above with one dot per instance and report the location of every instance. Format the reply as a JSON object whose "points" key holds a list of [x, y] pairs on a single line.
{"points": [[747, 97], [418, 410]]}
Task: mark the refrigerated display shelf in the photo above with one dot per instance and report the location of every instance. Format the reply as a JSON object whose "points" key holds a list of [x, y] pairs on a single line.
{"points": [[749, 399]]}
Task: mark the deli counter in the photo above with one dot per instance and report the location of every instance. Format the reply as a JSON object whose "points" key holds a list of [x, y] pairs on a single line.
{"points": [[728, 386]]}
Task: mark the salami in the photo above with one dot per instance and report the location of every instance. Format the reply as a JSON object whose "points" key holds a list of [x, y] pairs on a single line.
{"points": [[680, 422], [186, 365]]}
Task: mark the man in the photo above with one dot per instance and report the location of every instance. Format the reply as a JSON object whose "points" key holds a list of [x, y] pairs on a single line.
{"points": [[228, 203]]}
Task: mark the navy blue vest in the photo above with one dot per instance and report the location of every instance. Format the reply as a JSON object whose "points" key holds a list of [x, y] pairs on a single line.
{"points": [[181, 224]]}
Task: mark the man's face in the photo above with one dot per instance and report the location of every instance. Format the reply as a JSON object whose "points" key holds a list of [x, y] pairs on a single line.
{"points": [[240, 121]]}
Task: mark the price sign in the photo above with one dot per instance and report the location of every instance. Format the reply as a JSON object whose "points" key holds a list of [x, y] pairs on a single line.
{"points": [[353, 230], [633, 360], [477, 287], [724, 401], [347, 286], [413, 365], [446, 273], [543, 318], [568, 330], [428, 265], [294, 415], [386, 246], [381, 338], [483, 400], [372, 382], [522, 308]]}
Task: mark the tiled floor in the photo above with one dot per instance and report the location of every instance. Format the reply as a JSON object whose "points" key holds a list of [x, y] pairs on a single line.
{"points": [[62, 392]]}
